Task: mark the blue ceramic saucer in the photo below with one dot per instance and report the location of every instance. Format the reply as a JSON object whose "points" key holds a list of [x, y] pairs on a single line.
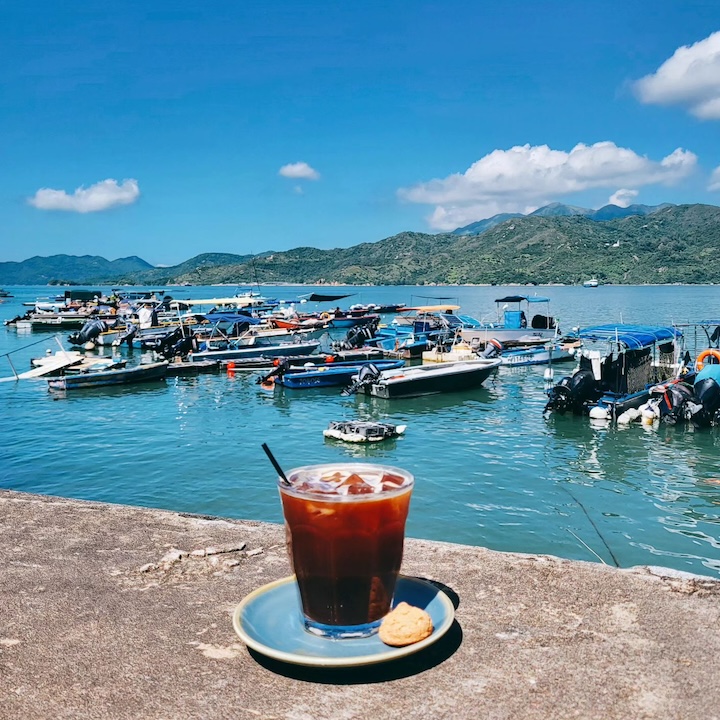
{"points": [[269, 620]]}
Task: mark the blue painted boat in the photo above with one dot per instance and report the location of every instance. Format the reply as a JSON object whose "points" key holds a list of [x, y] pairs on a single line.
{"points": [[256, 351], [618, 366], [328, 375]]}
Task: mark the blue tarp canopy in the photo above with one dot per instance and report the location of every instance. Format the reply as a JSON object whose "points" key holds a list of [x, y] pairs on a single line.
{"points": [[231, 317], [521, 298], [633, 337]]}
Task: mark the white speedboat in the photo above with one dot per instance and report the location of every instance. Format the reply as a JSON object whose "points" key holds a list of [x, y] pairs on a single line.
{"points": [[423, 379]]}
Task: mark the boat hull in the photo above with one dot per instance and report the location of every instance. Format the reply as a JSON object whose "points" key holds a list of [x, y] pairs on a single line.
{"points": [[255, 351], [330, 375], [480, 336], [535, 356], [124, 376], [432, 379]]}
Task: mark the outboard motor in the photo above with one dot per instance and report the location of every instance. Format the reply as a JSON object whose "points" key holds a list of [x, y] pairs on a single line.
{"points": [[704, 410], [280, 367], [494, 348], [358, 336], [367, 376], [672, 401], [89, 331], [127, 336], [175, 344], [574, 392]]}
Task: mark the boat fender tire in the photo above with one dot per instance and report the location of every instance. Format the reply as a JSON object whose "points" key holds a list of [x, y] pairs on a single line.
{"points": [[700, 361]]}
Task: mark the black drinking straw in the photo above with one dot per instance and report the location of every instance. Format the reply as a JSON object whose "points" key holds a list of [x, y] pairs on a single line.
{"points": [[275, 463]]}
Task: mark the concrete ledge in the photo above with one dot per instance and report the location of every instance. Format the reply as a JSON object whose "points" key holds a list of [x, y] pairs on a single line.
{"points": [[102, 617]]}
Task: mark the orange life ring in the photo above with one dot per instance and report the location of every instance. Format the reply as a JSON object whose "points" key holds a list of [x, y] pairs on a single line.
{"points": [[700, 361]]}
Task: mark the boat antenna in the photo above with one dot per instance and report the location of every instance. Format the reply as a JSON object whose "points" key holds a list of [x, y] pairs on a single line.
{"points": [[257, 282]]}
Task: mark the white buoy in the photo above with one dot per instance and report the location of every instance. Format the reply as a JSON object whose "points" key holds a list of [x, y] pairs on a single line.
{"points": [[549, 374], [628, 416], [599, 413]]}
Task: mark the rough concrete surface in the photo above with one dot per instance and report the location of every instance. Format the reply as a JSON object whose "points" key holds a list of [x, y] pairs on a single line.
{"points": [[102, 617]]}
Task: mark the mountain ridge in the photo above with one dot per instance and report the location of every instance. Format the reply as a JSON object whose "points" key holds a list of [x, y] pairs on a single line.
{"points": [[671, 244]]}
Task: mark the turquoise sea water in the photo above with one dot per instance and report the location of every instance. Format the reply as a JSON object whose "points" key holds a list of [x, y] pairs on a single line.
{"points": [[490, 470]]}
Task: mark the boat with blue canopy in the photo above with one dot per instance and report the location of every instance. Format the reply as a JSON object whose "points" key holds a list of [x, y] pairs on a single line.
{"points": [[618, 364]]}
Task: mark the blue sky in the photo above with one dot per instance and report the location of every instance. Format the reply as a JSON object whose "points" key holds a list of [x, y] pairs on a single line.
{"points": [[168, 129]]}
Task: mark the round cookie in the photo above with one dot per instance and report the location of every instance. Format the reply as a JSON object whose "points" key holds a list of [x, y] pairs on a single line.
{"points": [[405, 625]]}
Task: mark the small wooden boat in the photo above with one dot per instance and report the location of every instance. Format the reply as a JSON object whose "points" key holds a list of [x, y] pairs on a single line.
{"points": [[123, 376], [423, 379]]}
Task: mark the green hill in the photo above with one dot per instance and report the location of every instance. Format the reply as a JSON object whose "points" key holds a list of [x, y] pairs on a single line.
{"points": [[675, 244], [69, 269]]}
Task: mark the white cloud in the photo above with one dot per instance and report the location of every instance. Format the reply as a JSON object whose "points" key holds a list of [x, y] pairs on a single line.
{"points": [[691, 77], [528, 177], [714, 184], [102, 196], [623, 197], [299, 170]]}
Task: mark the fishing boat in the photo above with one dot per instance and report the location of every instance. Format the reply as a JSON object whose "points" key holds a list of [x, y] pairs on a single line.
{"points": [[422, 379], [147, 372], [325, 375], [518, 322], [618, 366]]}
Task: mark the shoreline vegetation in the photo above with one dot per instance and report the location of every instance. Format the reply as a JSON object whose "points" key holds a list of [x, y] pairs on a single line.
{"points": [[675, 245]]}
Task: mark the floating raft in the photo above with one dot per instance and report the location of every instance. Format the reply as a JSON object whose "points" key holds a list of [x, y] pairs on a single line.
{"points": [[358, 431]]}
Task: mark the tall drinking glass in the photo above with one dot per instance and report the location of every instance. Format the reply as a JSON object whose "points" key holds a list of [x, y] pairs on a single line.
{"points": [[345, 526]]}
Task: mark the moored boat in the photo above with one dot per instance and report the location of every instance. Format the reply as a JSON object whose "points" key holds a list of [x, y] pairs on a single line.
{"points": [[517, 323], [422, 379], [618, 365], [362, 431], [326, 375], [256, 351], [147, 372]]}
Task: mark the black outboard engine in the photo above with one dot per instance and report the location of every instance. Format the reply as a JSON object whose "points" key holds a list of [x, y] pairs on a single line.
{"points": [[494, 348], [89, 331], [704, 410], [127, 336], [367, 376], [175, 344], [281, 366], [358, 336], [672, 401], [574, 392]]}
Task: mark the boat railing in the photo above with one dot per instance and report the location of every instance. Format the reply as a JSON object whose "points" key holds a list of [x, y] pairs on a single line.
{"points": [[25, 347]]}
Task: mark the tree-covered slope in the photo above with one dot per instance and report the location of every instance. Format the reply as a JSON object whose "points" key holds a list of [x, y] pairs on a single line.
{"points": [[676, 244]]}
